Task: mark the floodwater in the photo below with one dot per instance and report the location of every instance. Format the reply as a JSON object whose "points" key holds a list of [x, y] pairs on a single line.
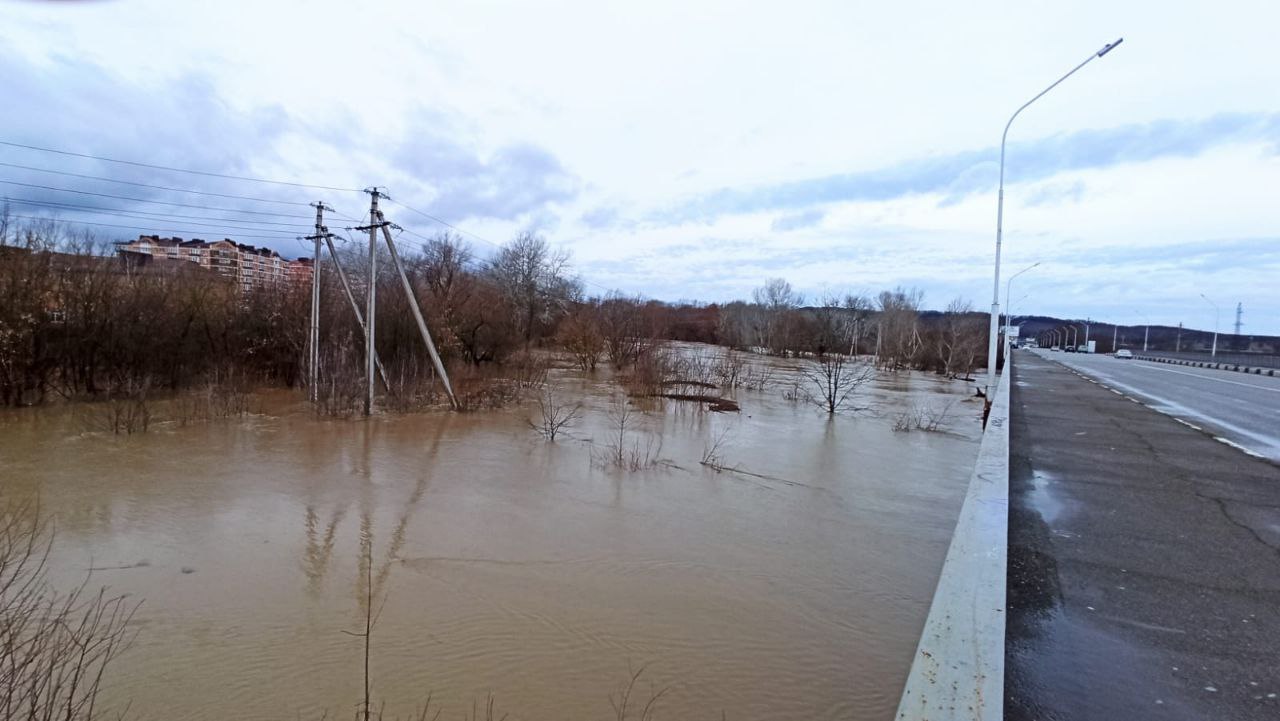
{"points": [[505, 565]]}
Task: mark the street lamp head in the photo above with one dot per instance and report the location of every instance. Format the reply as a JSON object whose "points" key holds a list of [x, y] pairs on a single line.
{"points": [[1109, 47]]}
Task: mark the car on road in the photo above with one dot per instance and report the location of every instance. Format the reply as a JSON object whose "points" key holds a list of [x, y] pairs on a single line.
{"points": [[1055, 348], [1124, 353]]}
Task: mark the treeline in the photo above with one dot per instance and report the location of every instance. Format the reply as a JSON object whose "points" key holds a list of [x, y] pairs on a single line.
{"points": [[891, 327], [78, 322]]}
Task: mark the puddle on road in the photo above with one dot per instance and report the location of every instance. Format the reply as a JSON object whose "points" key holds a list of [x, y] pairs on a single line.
{"points": [[1043, 498], [509, 565]]}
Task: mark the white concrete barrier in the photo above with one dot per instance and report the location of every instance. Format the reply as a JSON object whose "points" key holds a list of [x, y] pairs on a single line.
{"points": [[958, 670]]}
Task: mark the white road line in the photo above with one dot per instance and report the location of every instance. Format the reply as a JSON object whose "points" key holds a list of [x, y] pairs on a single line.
{"points": [[1168, 408], [1212, 378], [1192, 426], [1238, 447]]}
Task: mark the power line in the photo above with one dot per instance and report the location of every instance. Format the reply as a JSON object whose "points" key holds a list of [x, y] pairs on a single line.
{"points": [[482, 239], [446, 224], [204, 173], [149, 185], [222, 227], [153, 187], [141, 213], [187, 231], [154, 202]]}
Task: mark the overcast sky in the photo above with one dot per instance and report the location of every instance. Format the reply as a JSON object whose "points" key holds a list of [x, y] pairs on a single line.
{"points": [[690, 150]]}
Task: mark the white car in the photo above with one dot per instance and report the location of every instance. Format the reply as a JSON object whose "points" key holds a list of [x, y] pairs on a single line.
{"points": [[1124, 353]]}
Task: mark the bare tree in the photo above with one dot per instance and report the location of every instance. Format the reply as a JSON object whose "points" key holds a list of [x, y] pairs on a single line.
{"points": [[777, 302], [535, 279], [833, 379], [554, 414], [55, 647], [579, 334], [959, 339], [898, 328]]}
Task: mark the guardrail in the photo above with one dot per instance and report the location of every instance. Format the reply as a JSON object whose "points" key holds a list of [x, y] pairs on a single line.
{"points": [[958, 669], [1218, 364], [1244, 360]]}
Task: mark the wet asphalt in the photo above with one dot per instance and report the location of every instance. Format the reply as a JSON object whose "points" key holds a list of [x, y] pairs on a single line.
{"points": [[1144, 561]]}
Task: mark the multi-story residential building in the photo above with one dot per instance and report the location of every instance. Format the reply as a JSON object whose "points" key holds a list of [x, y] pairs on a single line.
{"points": [[299, 270], [248, 266]]}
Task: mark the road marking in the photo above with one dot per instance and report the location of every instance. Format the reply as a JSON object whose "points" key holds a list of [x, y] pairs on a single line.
{"points": [[1192, 426], [1238, 447], [1213, 378], [1168, 408]]}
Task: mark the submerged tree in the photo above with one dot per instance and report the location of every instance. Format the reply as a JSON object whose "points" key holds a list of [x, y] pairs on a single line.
{"points": [[55, 647], [833, 379]]}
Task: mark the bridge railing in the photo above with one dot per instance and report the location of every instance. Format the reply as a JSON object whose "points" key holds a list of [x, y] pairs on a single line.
{"points": [[958, 669]]}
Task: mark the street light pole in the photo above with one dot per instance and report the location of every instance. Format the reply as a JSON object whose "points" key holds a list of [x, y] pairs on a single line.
{"points": [[1146, 333], [995, 285], [1217, 315], [1008, 307]]}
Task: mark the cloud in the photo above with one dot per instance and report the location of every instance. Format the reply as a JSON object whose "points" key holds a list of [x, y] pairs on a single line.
{"points": [[958, 175], [600, 217], [796, 221], [514, 181], [70, 104], [1054, 193]]}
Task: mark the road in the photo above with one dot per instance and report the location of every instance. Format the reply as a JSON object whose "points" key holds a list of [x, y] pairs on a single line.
{"points": [[1240, 408], [1144, 559]]}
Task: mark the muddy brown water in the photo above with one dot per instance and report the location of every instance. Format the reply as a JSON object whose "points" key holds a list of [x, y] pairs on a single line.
{"points": [[503, 564]]}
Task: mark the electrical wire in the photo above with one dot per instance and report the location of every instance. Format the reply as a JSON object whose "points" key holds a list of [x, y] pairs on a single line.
{"points": [[124, 212], [145, 200], [480, 238], [137, 227], [171, 169], [153, 187]]}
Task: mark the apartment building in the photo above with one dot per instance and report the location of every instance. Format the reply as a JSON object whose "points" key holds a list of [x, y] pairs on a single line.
{"points": [[250, 267]]}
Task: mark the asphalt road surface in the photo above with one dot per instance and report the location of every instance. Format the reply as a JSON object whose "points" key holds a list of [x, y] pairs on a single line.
{"points": [[1144, 560], [1237, 407]]}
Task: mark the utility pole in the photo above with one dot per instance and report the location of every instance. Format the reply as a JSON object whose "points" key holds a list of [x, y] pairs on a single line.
{"points": [[1177, 346], [413, 306], [313, 356], [1114, 330], [372, 298], [1239, 315], [1086, 333]]}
